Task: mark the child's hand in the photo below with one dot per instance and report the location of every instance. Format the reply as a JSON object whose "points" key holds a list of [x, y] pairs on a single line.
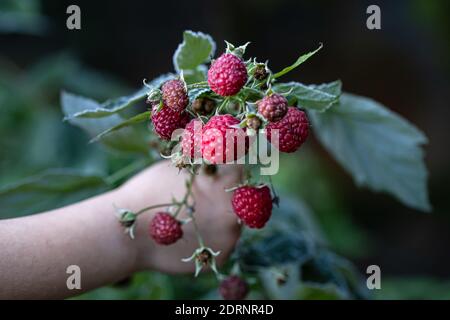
{"points": [[214, 215], [39, 248]]}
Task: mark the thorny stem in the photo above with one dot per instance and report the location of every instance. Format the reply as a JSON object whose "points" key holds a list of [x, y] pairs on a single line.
{"points": [[178, 204], [197, 232], [184, 202], [222, 105], [188, 193], [253, 90], [275, 196], [201, 84], [159, 206]]}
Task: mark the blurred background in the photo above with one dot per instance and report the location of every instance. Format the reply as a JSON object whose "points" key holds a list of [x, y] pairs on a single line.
{"points": [[405, 66]]}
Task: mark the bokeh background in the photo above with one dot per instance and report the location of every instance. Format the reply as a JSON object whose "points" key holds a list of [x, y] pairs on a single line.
{"points": [[405, 66]]}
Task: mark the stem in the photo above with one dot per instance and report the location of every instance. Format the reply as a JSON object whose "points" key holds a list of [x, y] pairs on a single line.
{"points": [[222, 105], [126, 171], [253, 90], [188, 193], [197, 232], [179, 205], [158, 206], [189, 184], [201, 84]]}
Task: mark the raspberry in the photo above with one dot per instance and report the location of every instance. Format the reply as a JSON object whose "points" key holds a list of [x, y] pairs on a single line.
{"points": [[254, 123], [227, 75], [260, 73], [273, 107], [167, 120], [203, 106], [221, 141], [253, 205], [191, 141], [165, 229], [233, 288], [174, 95], [293, 130]]}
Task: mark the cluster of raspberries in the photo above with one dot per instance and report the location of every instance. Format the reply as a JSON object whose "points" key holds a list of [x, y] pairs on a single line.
{"points": [[226, 77], [287, 125]]}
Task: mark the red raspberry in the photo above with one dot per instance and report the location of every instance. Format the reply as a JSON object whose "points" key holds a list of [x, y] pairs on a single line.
{"points": [[227, 75], [191, 140], [167, 120], [273, 107], [233, 288], [221, 141], [174, 95], [293, 130], [165, 229], [253, 205]]}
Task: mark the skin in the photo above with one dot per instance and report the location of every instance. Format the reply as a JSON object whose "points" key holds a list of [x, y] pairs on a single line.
{"points": [[36, 250]]}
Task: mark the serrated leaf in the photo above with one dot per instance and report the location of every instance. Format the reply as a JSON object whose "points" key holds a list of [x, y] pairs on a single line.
{"points": [[275, 248], [49, 190], [289, 236], [109, 107], [297, 63], [251, 94], [197, 48], [197, 92], [128, 140], [141, 117], [313, 97], [117, 105], [380, 149], [196, 75]]}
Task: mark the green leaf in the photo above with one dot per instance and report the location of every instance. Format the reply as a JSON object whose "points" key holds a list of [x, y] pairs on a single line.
{"points": [[327, 291], [197, 92], [290, 236], [299, 61], [117, 105], [414, 288], [109, 107], [377, 147], [141, 117], [49, 190], [23, 17], [195, 75], [196, 48], [128, 140], [274, 248], [290, 248], [314, 97]]}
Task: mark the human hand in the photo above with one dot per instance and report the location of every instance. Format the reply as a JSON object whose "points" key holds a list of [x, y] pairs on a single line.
{"points": [[213, 213]]}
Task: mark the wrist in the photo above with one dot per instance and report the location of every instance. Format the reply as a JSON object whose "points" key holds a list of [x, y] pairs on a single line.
{"points": [[126, 248]]}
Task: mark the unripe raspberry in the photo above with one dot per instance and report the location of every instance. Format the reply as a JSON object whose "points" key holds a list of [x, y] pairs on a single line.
{"points": [[253, 205], [260, 72], [203, 106], [167, 120], [174, 95], [165, 229], [293, 130], [273, 107], [227, 75], [233, 288], [222, 142], [254, 123]]}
